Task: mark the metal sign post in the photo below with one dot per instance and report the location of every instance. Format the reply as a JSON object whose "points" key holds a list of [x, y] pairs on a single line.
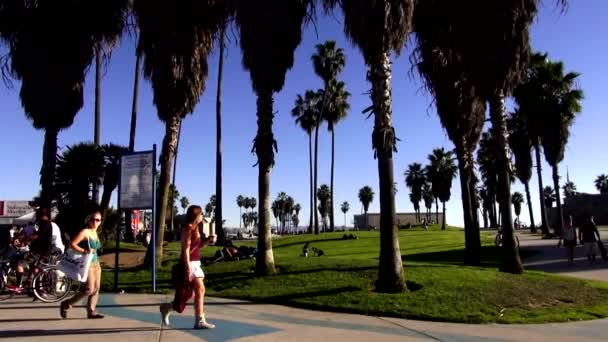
{"points": [[137, 190]]}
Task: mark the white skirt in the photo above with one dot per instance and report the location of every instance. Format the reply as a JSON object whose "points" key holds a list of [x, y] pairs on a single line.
{"points": [[196, 270]]}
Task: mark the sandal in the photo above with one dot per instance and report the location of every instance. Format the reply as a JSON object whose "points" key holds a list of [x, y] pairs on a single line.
{"points": [[95, 315]]}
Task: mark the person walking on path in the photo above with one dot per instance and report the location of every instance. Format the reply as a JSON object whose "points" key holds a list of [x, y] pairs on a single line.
{"points": [[589, 236], [87, 241], [188, 275], [569, 239]]}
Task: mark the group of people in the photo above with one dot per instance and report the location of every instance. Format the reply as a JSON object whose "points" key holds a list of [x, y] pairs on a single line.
{"points": [[588, 235]]}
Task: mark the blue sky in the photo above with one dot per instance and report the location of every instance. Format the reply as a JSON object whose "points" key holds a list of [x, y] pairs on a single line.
{"points": [[578, 38]]}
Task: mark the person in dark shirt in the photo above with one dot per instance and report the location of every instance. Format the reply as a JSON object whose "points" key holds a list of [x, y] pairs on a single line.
{"points": [[589, 235]]}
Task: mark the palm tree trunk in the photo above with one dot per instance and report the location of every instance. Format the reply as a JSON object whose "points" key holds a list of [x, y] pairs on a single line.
{"points": [[390, 269], [312, 193], [47, 171], [166, 158], [316, 216], [511, 262], [558, 201], [543, 209], [471, 229], [97, 133], [172, 213], [132, 131], [529, 200], [437, 210], [219, 228], [485, 219], [443, 223], [264, 148], [331, 189]]}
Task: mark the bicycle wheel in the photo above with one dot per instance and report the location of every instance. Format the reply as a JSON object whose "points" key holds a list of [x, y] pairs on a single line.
{"points": [[51, 285]]}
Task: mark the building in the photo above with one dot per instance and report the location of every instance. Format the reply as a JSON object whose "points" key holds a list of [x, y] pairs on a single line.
{"points": [[582, 205], [402, 219]]}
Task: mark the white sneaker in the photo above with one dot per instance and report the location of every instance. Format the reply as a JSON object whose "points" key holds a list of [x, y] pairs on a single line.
{"points": [[165, 310], [202, 323]]}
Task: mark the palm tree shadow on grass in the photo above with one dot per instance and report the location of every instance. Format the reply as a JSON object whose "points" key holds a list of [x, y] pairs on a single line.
{"points": [[491, 256]]}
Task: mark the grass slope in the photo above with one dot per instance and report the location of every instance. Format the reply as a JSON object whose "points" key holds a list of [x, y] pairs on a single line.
{"points": [[441, 287]]}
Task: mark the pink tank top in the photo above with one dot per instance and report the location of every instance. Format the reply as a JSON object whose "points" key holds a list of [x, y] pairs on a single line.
{"points": [[195, 249]]}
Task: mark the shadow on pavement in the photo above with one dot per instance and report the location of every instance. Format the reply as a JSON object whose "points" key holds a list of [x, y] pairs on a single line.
{"points": [[66, 332]]}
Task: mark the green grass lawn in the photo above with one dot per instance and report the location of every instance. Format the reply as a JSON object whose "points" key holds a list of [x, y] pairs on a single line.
{"points": [[441, 287]]}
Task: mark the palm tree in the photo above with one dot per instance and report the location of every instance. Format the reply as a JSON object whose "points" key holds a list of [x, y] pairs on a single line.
{"points": [[366, 197], [221, 236], [32, 32], [459, 104], [489, 172], [521, 146], [564, 102], [415, 180], [569, 189], [305, 112], [345, 207], [517, 199], [240, 202], [270, 31], [428, 198], [446, 172], [384, 30], [324, 197], [328, 62], [601, 183], [172, 208], [548, 196], [111, 174], [184, 202], [175, 44]]}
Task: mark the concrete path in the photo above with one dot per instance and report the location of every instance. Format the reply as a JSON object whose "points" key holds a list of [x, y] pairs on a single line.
{"points": [[551, 259], [135, 318]]}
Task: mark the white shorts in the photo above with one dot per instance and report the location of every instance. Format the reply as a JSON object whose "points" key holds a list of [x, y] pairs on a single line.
{"points": [[590, 248], [197, 270]]}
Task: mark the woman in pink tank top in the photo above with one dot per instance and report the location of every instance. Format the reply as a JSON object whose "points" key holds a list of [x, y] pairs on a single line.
{"points": [[190, 272]]}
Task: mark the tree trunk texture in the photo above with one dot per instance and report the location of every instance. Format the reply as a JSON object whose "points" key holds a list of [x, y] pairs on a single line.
{"points": [[166, 159], [264, 148], [315, 204], [529, 200], [511, 262], [390, 271], [132, 133], [312, 192], [331, 189], [219, 227], [443, 223], [47, 171], [436, 210], [172, 213], [97, 132], [471, 228], [560, 222], [545, 229], [485, 219]]}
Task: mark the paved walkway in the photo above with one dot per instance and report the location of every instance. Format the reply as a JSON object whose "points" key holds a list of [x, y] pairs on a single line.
{"points": [[135, 318]]}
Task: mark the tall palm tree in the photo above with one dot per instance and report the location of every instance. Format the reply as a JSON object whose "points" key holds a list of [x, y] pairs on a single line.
{"points": [[459, 104], [446, 172], [549, 196], [379, 28], [344, 207], [366, 197], [489, 172], [240, 202], [221, 236], [415, 179], [428, 198], [111, 173], [521, 146], [335, 110], [30, 30], [569, 189], [176, 39], [173, 209], [563, 103], [601, 183], [428, 174], [517, 199], [270, 31], [305, 112], [184, 203], [324, 197], [328, 61]]}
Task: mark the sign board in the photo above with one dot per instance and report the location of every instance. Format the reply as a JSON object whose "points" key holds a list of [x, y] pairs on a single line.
{"points": [[15, 208], [136, 181]]}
